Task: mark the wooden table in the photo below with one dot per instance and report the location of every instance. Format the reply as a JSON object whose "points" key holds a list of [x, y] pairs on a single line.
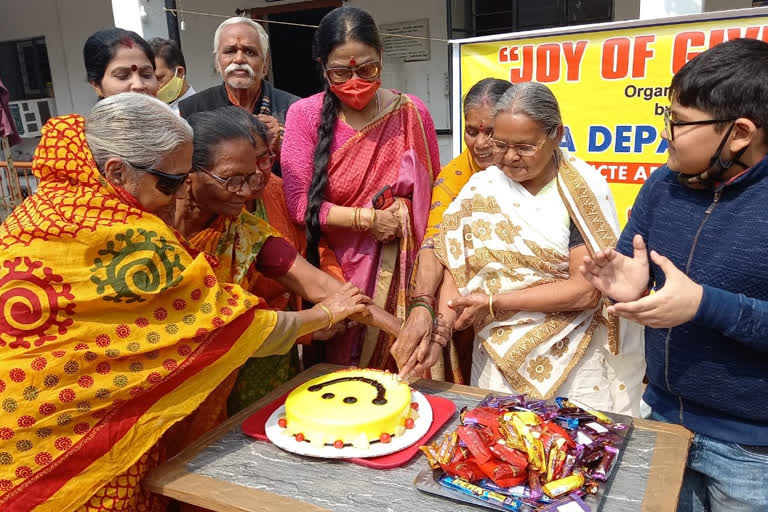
{"points": [[226, 470]]}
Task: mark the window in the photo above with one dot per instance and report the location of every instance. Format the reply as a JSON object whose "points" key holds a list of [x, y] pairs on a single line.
{"points": [[487, 17]]}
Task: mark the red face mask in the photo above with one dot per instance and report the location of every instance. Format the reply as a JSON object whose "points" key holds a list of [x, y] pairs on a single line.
{"points": [[356, 92]]}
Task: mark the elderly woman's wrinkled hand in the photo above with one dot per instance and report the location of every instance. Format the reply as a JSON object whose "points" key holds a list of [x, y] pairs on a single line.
{"points": [[471, 309], [346, 301], [415, 336]]}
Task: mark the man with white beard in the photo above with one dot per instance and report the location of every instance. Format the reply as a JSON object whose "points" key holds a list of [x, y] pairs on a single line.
{"points": [[241, 50]]}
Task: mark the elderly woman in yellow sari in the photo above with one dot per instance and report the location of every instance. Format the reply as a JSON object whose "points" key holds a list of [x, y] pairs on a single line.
{"points": [[512, 242], [110, 330], [231, 165], [428, 273]]}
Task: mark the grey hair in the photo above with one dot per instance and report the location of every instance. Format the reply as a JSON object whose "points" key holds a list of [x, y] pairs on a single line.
{"points": [[485, 93], [536, 101], [263, 37], [137, 128]]}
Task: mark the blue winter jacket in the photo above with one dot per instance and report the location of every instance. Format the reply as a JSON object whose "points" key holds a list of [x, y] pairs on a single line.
{"points": [[711, 374]]}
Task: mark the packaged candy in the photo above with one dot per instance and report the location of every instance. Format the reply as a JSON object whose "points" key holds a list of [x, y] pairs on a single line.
{"points": [[571, 460], [556, 461], [518, 491], [595, 428], [511, 438], [576, 413], [571, 503], [468, 470], [600, 416], [460, 454], [510, 455], [527, 417], [499, 500], [567, 423], [551, 427], [606, 463], [447, 447], [563, 486], [474, 443], [431, 454], [503, 474], [533, 447], [534, 484]]}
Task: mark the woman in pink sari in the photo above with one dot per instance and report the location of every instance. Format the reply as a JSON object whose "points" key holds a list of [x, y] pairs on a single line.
{"points": [[342, 147]]}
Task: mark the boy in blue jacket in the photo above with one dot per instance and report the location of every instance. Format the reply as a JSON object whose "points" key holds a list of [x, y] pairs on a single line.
{"points": [[703, 219]]}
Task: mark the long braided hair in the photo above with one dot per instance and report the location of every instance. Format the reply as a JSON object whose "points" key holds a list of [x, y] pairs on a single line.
{"points": [[336, 28]]}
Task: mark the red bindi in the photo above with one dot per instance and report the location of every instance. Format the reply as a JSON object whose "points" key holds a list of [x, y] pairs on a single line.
{"points": [[134, 67], [352, 61]]}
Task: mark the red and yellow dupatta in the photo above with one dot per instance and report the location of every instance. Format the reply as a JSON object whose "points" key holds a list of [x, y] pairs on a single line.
{"points": [[110, 332]]}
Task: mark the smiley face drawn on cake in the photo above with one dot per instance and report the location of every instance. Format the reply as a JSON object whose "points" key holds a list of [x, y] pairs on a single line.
{"points": [[352, 406], [380, 390]]}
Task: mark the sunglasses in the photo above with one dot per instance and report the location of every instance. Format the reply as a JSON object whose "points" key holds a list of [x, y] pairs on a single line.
{"points": [[669, 124], [166, 183], [368, 71]]}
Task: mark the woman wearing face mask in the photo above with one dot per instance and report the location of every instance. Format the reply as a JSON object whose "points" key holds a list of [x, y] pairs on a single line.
{"points": [[421, 328], [112, 331], [118, 60], [512, 242], [341, 148]]}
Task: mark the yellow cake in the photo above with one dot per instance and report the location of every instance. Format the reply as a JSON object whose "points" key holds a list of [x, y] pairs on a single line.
{"points": [[354, 406]]}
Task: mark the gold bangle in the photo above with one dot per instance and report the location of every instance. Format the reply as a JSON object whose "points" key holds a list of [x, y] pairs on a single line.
{"points": [[373, 219], [490, 306], [330, 315]]}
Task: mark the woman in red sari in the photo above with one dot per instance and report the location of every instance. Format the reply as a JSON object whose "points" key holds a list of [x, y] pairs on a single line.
{"points": [[343, 146]]}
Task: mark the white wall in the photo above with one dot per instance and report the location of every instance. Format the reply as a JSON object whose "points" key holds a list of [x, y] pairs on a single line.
{"points": [[65, 24]]}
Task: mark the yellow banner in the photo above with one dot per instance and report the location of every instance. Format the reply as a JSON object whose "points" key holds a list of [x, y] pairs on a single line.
{"points": [[612, 86]]}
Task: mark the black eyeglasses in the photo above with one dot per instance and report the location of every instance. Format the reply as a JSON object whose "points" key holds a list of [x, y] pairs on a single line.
{"points": [[166, 183], [669, 124], [369, 71], [254, 180]]}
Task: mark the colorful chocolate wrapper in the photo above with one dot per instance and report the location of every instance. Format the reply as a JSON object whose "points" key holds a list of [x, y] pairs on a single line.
{"points": [[503, 474], [498, 500], [603, 469], [518, 491], [563, 486], [474, 443]]}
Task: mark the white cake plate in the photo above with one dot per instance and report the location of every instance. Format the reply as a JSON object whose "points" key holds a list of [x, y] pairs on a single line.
{"points": [[421, 426]]}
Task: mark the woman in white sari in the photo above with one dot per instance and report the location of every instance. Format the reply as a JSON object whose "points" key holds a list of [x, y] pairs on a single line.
{"points": [[511, 243]]}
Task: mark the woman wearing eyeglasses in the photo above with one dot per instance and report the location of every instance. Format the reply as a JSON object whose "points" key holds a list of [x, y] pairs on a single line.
{"points": [[111, 331], [512, 242], [344, 146], [232, 166]]}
